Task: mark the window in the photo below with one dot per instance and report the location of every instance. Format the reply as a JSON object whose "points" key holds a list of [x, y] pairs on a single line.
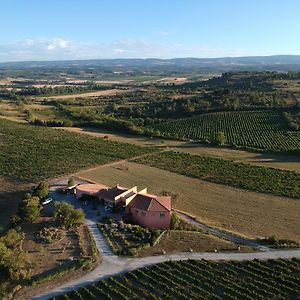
{"points": [[162, 215], [143, 214]]}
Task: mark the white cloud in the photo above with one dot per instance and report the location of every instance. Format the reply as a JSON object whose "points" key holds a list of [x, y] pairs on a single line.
{"points": [[61, 48], [58, 43]]}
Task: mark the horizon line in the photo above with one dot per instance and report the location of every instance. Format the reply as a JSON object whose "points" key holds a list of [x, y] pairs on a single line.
{"points": [[149, 58]]}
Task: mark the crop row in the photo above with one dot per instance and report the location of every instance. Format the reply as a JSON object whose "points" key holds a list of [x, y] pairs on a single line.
{"points": [[32, 153], [266, 130], [255, 178], [200, 279]]}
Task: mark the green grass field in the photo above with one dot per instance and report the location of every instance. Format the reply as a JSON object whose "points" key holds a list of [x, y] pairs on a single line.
{"points": [[265, 130], [200, 279], [245, 176], [29, 153]]}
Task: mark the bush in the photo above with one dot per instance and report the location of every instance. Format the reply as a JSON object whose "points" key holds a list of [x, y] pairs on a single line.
{"points": [[67, 215]]}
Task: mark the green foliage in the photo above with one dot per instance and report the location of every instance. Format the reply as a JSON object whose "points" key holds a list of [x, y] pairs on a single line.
{"points": [[29, 208], [221, 139], [71, 182], [42, 190], [32, 153], [255, 178], [67, 215], [266, 130], [200, 279], [12, 258], [175, 221]]}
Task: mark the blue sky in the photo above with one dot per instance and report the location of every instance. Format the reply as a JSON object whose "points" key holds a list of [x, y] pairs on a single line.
{"points": [[79, 29]]}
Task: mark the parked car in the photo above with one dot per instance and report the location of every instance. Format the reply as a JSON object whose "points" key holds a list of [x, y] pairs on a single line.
{"points": [[48, 200], [107, 208]]}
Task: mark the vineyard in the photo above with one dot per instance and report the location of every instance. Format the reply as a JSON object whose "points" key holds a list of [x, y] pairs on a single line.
{"points": [[201, 279], [30, 153], [253, 178], [266, 130]]}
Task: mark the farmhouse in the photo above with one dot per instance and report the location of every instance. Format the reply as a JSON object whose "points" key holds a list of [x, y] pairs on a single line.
{"points": [[150, 210], [141, 207]]}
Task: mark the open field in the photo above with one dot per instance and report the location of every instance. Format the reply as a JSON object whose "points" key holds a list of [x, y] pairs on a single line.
{"points": [[265, 130], [200, 279], [183, 241], [248, 213], [86, 95], [32, 153], [124, 138], [217, 170], [277, 161]]}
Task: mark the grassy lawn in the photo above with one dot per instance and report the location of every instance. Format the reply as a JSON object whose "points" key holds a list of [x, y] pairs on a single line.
{"points": [[30, 153], [255, 178], [244, 212]]}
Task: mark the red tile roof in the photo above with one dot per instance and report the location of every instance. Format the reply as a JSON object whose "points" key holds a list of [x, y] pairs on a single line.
{"points": [[149, 202]]}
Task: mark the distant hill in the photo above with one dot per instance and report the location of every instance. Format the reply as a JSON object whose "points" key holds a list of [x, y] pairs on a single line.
{"points": [[222, 64]]}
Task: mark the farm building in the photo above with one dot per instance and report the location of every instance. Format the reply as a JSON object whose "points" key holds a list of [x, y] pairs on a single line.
{"points": [[117, 195], [150, 210], [142, 208]]}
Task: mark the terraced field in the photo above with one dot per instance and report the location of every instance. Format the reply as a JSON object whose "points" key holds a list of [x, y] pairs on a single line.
{"points": [[266, 130], [201, 279]]}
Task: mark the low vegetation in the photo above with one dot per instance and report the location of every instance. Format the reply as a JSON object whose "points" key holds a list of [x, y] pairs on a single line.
{"points": [[254, 178], [200, 279], [127, 239], [30, 153]]}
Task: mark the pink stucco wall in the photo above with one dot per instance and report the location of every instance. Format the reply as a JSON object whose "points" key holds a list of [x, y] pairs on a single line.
{"points": [[150, 219]]}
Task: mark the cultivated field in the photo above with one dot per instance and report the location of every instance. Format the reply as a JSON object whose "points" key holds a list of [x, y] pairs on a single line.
{"points": [[217, 170], [266, 130], [278, 161], [200, 279], [249, 213], [31, 153]]}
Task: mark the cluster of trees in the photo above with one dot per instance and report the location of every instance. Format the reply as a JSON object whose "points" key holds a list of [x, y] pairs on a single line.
{"points": [[30, 206], [14, 263], [293, 120], [52, 123], [67, 216]]}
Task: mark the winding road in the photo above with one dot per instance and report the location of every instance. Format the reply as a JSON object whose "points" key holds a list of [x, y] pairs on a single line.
{"points": [[112, 264]]}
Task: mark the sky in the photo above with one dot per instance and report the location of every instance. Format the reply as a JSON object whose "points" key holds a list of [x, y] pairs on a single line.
{"points": [[88, 29]]}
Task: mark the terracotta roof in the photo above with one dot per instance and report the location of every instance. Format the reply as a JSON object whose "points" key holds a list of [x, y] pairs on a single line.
{"points": [[112, 192], [148, 202], [91, 187]]}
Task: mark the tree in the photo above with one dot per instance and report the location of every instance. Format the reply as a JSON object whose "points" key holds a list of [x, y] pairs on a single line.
{"points": [[42, 190], [221, 139], [29, 209], [175, 221], [67, 215], [71, 182]]}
